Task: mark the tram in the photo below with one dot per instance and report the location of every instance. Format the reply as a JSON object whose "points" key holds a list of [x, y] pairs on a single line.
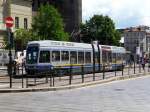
{"points": [[45, 55]]}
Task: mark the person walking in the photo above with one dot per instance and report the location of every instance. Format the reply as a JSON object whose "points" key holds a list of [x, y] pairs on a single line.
{"points": [[148, 65], [143, 63]]}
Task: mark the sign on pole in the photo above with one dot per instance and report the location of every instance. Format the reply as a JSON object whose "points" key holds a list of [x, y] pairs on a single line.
{"points": [[9, 22]]}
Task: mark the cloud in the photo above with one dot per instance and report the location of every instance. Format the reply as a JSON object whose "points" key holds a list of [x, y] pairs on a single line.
{"points": [[125, 13]]}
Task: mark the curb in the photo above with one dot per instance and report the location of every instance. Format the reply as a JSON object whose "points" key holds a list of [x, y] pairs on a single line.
{"points": [[74, 86]]}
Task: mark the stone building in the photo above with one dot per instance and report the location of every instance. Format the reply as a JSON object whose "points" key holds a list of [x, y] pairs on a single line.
{"points": [[71, 11], [20, 11], [137, 40]]}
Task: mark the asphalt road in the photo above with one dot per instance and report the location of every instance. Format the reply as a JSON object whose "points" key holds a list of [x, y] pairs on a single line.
{"points": [[122, 96]]}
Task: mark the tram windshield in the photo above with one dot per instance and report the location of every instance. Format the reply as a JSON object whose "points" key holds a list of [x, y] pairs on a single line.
{"points": [[32, 54]]}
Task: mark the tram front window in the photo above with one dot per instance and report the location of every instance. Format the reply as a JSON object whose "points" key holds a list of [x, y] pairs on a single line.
{"points": [[32, 55]]}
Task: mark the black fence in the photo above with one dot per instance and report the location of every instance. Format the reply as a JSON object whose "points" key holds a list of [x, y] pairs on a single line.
{"points": [[56, 77]]}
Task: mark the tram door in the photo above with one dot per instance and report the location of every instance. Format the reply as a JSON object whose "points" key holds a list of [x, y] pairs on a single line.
{"points": [[96, 57], [106, 57]]}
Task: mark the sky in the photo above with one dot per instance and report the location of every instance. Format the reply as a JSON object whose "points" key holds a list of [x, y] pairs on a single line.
{"points": [[125, 13]]}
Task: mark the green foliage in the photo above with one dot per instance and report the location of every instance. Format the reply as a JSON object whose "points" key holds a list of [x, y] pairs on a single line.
{"points": [[21, 35], [48, 24], [25, 36], [100, 28]]}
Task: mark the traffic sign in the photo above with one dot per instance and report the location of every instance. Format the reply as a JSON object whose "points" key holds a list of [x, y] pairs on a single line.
{"points": [[9, 22]]}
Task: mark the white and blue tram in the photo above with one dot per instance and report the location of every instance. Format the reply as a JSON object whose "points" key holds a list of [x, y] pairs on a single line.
{"points": [[47, 54]]}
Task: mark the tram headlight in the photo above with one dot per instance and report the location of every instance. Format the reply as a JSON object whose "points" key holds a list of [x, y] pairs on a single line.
{"points": [[52, 68]]}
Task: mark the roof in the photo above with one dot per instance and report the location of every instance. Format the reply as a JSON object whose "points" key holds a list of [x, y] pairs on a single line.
{"points": [[118, 49], [63, 44], [51, 43]]}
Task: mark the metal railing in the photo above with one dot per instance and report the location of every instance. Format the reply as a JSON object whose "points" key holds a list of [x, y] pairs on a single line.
{"points": [[56, 77]]}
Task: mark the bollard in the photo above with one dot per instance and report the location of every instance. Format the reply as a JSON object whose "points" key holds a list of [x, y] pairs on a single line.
{"points": [[115, 64], [15, 64], [103, 72], [70, 79], [22, 82], [26, 81], [51, 78], [22, 76], [115, 70], [122, 69], [144, 71], [60, 72], [22, 68], [139, 68], [34, 78], [134, 66], [93, 72], [128, 70], [46, 79], [82, 70]]}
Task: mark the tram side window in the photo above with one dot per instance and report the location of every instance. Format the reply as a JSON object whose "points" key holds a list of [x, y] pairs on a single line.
{"points": [[65, 56], [119, 59], [81, 57], [73, 57], [109, 57], [96, 57], [44, 57], [87, 57], [114, 57], [104, 56], [55, 56]]}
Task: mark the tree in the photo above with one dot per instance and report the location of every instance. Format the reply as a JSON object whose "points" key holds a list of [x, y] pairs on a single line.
{"points": [[22, 37], [100, 28], [48, 24]]}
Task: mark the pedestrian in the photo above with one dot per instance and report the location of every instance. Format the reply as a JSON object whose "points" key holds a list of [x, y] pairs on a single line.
{"points": [[143, 63], [148, 65]]}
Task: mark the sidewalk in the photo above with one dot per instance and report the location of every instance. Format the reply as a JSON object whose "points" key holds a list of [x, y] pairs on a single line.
{"points": [[62, 83]]}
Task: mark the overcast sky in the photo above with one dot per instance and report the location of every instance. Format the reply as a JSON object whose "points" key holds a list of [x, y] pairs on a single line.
{"points": [[125, 13]]}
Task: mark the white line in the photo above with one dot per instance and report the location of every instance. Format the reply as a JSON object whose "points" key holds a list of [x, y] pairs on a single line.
{"points": [[4, 85]]}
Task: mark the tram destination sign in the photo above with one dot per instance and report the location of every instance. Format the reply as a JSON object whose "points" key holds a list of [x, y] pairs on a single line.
{"points": [[62, 43]]}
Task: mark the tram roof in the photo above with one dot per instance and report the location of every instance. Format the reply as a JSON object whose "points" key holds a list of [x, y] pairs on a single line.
{"points": [[118, 49], [51, 43], [64, 44]]}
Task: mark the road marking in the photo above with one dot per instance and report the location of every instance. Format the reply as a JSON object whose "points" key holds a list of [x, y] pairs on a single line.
{"points": [[4, 85]]}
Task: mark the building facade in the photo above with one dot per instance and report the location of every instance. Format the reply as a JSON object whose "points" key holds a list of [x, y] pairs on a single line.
{"points": [[137, 40], [20, 11], [71, 11]]}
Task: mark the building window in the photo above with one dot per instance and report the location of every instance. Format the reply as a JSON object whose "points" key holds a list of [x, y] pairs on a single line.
{"points": [[25, 23], [16, 22]]}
